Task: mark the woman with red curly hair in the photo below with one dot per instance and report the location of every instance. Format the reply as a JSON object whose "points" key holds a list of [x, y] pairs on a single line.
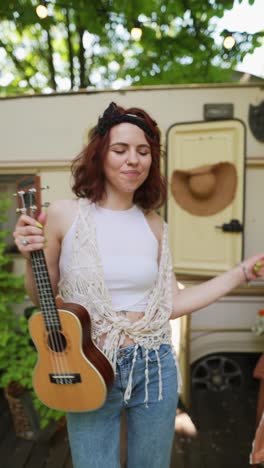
{"points": [[108, 250], [88, 167]]}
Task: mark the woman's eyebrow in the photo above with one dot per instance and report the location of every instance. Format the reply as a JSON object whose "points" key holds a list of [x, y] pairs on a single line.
{"points": [[118, 143], [143, 145]]}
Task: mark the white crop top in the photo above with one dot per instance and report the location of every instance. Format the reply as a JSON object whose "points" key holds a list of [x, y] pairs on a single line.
{"points": [[129, 255]]}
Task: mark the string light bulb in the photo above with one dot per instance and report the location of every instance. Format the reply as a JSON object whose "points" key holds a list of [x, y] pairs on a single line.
{"points": [[136, 31], [229, 42], [42, 10]]}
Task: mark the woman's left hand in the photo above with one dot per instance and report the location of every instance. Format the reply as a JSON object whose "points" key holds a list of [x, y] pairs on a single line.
{"points": [[254, 266]]}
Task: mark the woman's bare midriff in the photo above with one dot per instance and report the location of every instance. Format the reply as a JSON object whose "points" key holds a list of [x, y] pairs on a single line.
{"points": [[133, 317]]}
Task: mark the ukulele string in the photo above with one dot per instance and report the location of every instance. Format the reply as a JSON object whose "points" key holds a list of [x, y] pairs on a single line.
{"points": [[59, 342], [63, 356], [56, 340], [43, 285]]}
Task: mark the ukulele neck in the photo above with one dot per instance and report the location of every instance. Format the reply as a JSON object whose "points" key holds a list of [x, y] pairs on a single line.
{"points": [[44, 289]]}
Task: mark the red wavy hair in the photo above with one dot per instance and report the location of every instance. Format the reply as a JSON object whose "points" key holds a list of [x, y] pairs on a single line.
{"points": [[88, 174]]}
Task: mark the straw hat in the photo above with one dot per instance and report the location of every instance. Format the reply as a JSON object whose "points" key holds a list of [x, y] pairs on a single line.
{"points": [[205, 190]]}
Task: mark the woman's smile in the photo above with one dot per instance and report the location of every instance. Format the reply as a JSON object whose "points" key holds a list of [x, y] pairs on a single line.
{"points": [[131, 173]]}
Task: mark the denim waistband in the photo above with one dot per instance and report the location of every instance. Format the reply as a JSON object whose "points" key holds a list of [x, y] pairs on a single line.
{"points": [[129, 351]]}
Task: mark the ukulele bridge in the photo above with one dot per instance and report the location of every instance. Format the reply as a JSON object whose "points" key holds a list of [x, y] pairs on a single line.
{"points": [[65, 379]]}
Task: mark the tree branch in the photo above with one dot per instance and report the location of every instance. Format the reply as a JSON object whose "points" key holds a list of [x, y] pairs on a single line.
{"points": [[70, 48], [52, 80], [84, 79]]}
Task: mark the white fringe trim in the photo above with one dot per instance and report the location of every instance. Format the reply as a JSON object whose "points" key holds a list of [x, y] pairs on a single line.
{"points": [[160, 375], [128, 391], [146, 379]]}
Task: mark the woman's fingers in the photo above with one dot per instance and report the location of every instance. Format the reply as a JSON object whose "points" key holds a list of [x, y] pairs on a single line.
{"points": [[255, 266], [29, 243], [28, 230], [27, 240], [258, 267], [28, 235], [42, 218], [31, 247], [25, 220]]}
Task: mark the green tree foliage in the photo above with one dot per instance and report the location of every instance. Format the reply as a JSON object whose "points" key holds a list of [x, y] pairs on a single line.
{"points": [[11, 286], [87, 44]]}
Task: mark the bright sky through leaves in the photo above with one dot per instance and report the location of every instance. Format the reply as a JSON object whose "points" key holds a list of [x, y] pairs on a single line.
{"points": [[250, 18]]}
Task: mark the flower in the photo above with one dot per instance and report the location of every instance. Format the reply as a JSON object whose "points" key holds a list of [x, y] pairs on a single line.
{"points": [[258, 328]]}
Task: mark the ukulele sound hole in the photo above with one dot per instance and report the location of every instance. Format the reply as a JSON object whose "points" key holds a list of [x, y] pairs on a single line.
{"points": [[57, 341]]}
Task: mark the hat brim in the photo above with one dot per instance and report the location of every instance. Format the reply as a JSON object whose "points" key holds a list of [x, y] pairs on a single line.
{"points": [[223, 194]]}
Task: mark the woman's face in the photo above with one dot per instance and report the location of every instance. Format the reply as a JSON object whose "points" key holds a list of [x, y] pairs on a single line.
{"points": [[128, 159]]}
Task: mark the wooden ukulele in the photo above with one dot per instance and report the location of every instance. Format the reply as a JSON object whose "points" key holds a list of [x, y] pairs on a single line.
{"points": [[71, 374]]}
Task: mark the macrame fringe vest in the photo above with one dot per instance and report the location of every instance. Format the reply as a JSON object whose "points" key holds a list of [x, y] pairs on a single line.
{"points": [[83, 283]]}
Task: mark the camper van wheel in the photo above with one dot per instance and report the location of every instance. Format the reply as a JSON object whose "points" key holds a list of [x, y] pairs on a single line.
{"points": [[217, 372]]}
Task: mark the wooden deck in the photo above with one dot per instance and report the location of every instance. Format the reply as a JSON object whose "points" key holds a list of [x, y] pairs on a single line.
{"points": [[226, 430], [225, 420]]}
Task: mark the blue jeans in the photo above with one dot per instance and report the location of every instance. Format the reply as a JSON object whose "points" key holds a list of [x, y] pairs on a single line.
{"points": [[95, 436]]}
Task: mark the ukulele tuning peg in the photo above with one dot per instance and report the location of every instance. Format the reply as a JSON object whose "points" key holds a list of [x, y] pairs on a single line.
{"points": [[46, 187]]}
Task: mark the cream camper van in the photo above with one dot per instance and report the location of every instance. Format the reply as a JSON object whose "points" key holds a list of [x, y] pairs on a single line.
{"points": [[219, 126]]}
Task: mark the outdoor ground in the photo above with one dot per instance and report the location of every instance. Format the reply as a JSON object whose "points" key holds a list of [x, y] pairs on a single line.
{"points": [[225, 421]]}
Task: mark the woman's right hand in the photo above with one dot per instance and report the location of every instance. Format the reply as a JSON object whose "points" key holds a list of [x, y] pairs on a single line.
{"points": [[28, 234]]}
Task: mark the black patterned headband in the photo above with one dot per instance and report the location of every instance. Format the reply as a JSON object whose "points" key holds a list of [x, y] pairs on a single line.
{"points": [[112, 117]]}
